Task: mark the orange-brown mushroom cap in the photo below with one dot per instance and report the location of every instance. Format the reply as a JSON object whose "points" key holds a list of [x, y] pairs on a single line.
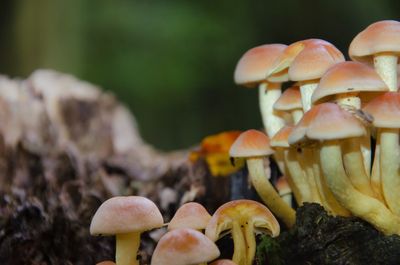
{"points": [[281, 138], [125, 214], [326, 121], [190, 215], [242, 211], [289, 100], [307, 59], [382, 36], [255, 63], [184, 246], [348, 77], [251, 143], [385, 110]]}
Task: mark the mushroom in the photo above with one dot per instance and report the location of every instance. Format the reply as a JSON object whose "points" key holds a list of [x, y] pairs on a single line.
{"points": [[107, 262], [306, 62], [184, 246], [251, 70], [348, 84], [330, 125], [290, 101], [190, 215], [126, 217], [253, 146], [380, 43], [242, 218], [386, 112], [282, 185]]}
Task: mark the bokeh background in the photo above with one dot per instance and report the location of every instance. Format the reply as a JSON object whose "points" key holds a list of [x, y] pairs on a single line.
{"points": [[172, 61]]}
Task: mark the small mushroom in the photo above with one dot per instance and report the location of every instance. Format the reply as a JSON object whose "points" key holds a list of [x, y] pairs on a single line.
{"points": [[242, 218], [290, 101], [282, 185], [126, 218], [184, 246], [254, 146], [190, 215], [251, 70], [380, 43]]}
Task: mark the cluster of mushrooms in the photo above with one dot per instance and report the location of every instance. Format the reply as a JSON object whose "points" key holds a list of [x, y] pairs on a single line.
{"points": [[334, 133]]}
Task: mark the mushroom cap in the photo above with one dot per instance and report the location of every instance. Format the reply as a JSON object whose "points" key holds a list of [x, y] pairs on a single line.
{"points": [[385, 109], [381, 36], [282, 185], [308, 59], [242, 211], [125, 214], [289, 100], [184, 246], [255, 63], [281, 138], [326, 121], [251, 143], [190, 215], [223, 262], [348, 77]]}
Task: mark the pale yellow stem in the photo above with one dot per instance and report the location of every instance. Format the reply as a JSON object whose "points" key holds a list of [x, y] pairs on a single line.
{"points": [[354, 165], [390, 166], [386, 66], [250, 239], [365, 207], [267, 192], [297, 114], [127, 246], [298, 175], [333, 204], [268, 95], [239, 245], [306, 90], [306, 162]]}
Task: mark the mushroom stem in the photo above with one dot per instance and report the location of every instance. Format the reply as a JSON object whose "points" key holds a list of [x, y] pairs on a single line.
{"points": [[306, 90], [389, 163], [354, 165], [386, 66], [239, 244], [250, 242], [268, 94], [127, 246], [298, 175], [297, 114], [365, 207], [306, 163], [332, 204], [267, 192]]}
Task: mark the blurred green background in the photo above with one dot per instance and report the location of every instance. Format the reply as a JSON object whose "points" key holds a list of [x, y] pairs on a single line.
{"points": [[172, 61]]}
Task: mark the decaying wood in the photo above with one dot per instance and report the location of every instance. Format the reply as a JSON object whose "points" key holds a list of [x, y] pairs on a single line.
{"points": [[65, 147]]}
